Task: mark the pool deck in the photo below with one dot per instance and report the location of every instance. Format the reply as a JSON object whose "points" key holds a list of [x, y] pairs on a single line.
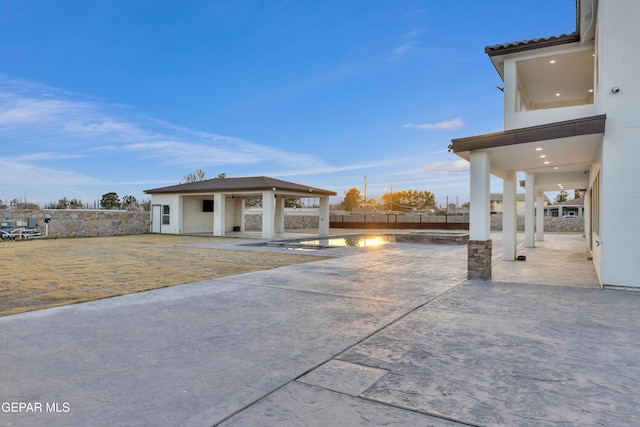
{"points": [[388, 335]]}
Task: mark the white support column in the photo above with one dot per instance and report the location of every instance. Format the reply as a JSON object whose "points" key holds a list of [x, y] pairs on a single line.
{"points": [[529, 215], [180, 215], [238, 210], [323, 220], [560, 215], [480, 200], [509, 216], [540, 217], [480, 245], [268, 218], [219, 210], [279, 216]]}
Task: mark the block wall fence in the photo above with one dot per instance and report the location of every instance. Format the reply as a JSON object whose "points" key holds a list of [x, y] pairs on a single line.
{"points": [[90, 222], [86, 222]]}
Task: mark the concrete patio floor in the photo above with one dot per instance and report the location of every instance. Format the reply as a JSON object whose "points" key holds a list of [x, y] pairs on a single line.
{"points": [[391, 335]]}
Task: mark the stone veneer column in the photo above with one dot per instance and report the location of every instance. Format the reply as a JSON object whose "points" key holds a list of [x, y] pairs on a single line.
{"points": [[479, 264]]}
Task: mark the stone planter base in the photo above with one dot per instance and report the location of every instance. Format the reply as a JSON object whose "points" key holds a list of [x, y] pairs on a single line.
{"points": [[479, 262]]}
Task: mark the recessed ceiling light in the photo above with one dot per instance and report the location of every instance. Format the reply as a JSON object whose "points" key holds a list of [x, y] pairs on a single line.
{"points": [[538, 148], [547, 162], [590, 90], [553, 61], [557, 94], [543, 156], [555, 167]]}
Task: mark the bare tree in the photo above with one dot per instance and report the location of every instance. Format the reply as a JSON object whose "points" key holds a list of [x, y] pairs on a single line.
{"points": [[198, 175]]}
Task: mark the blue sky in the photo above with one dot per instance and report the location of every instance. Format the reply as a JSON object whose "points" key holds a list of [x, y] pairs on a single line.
{"points": [[111, 95]]}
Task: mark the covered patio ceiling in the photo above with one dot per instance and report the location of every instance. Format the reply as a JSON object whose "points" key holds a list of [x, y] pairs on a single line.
{"points": [[560, 154]]}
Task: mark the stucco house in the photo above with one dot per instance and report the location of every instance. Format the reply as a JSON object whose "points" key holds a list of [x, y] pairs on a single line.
{"points": [[217, 206], [571, 120], [573, 207], [497, 203]]}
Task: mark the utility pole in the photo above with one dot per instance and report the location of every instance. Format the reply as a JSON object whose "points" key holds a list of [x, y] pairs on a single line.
{"points": [[365, 191]]}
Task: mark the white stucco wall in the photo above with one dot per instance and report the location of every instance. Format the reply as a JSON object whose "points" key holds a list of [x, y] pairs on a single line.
{"points": [[175, 206], [618, 61], [194, 220]]}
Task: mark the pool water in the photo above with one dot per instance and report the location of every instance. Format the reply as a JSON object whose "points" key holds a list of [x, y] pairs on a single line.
{"points": [[346, 241], [329, 242]]}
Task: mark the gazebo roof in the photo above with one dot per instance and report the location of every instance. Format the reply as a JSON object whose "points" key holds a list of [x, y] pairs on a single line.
{"points": [[246, 184]]}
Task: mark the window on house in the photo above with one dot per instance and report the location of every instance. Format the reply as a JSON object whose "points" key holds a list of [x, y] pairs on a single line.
{"points": [[165, 215]]}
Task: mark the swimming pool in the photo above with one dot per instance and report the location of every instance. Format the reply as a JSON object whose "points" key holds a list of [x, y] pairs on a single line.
{"points": [[359, 241]]}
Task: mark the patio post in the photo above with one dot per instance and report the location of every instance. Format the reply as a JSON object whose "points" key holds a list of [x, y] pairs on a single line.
{"points": [[219, 214], [479, 250], [279, 215], [509, 216], [540, 217], [323, 220], [268, 218], [529, 215]]}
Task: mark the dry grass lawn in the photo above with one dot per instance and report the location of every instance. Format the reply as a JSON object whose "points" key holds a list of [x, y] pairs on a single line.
{"points": [[36, 274]]}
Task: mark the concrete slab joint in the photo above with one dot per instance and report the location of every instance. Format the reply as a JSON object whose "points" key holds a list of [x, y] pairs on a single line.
{"points": [[479, 260]]}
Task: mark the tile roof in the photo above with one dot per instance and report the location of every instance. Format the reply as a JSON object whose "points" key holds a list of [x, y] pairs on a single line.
{"points": [[520, 46], [253, 183]]}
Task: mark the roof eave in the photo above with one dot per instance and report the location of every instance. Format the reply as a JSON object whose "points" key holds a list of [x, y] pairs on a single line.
{"points": [[576, 127]]}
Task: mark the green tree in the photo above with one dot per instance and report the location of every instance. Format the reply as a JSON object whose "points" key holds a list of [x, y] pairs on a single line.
{"points": [[390, 201], [110, 201], [561, 197], [75, 204], [352, 199], [407, 200], [62, 204]]}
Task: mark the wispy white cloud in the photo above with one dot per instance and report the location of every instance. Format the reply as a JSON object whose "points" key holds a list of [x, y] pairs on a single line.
{"points": [[25, 174], [38, 118], [324, 169], [444, 125], [401, 51], [458, 167], [49, 155]]}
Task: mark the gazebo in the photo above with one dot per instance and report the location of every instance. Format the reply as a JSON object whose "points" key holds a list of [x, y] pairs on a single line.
{"points": [[218, 205]]}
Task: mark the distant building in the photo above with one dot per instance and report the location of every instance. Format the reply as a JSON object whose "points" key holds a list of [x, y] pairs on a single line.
{"points": [[573, 207], [217, 206], [497, 206]]}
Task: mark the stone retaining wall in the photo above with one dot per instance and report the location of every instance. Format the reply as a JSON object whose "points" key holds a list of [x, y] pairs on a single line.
{"points": [[92, 222], [551, 224], [434, 238], [253, 222], [86, 222]]}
